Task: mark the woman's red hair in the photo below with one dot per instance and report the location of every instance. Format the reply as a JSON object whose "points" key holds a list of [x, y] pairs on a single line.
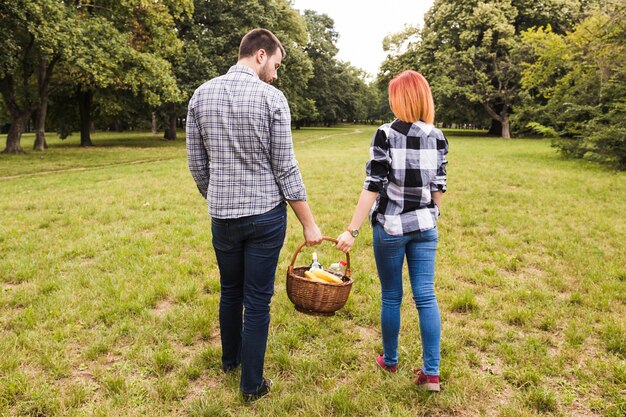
{"points": [[410, 98]]}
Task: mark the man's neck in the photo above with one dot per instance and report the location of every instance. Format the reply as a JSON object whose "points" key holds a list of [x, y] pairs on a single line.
{"points": [[250, 63]]}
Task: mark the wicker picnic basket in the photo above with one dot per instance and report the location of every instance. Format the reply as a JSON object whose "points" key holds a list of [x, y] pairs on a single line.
{"points": [[317, 298]]}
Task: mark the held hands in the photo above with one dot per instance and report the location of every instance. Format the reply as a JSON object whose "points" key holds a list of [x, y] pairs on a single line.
{"points": [[345, 242]]}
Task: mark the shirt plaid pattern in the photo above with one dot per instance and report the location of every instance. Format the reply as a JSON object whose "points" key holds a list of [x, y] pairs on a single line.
{"points": [[407, 162], [239, 145]]}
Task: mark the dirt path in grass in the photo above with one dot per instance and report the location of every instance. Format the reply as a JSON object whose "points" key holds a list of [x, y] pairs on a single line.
{"points": [[353, 132], [78, 169]]}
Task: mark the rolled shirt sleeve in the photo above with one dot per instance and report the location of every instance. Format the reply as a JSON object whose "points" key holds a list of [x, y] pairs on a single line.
{"points": [[197, 156], [439, 181], [282, 158], [378, 166]]}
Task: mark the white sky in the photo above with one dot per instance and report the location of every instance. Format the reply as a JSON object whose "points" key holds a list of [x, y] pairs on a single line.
{"points": [[362, 25]]}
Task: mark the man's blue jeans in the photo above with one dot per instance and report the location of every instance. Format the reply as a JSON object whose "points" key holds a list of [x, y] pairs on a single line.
{"points": [[247, 252], [419, 249]]}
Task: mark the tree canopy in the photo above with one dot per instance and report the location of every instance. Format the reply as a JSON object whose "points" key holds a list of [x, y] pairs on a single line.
{"points": [[122, 46], [515, 66], [576, 86], [469, 50], [113, 63]]}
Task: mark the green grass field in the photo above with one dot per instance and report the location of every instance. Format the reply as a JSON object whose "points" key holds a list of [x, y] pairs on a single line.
{"points": [[109, 287]]}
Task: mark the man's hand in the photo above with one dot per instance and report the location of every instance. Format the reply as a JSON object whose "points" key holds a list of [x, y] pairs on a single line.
{"points": [[312, 235], [345, 242]]}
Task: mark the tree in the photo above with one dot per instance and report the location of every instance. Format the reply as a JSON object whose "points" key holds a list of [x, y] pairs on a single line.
{"points": [[196, 64], [469, 51], [290, 27], [355, 95], [337, 90], [576, 85], [211, 40], [402, 50], [32, 38], [321, 49], [117, 45], [121, 47]]}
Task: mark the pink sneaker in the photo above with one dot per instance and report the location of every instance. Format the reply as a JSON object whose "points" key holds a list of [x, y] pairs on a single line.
{"points": [[427, 382], [389, 368]]}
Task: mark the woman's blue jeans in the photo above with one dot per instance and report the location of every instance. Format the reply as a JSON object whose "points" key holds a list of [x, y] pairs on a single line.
{"points": [[419, 249], [247, 252]]}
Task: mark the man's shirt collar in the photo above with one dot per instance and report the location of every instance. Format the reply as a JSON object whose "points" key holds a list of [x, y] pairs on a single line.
{"points": [[243, 69]]}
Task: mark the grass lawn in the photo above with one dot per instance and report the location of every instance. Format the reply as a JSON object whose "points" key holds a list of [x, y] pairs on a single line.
{"points": [[109, 287]]}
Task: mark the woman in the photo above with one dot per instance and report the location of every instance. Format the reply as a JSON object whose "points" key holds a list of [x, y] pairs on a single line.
{"points": [[405, 182]]}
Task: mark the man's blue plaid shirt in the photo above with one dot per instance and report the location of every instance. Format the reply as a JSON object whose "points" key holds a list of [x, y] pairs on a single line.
{"points": [[239, 145]]}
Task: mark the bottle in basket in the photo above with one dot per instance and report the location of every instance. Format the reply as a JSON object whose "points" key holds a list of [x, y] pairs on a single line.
{"points": [[315, 264], [337, 268]]}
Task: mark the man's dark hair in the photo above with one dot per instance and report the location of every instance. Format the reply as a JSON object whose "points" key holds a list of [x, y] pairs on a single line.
{"points": [[259, 39]]}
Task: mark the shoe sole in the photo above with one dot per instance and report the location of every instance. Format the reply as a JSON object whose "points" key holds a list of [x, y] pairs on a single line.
{"points": [[429, 386]]}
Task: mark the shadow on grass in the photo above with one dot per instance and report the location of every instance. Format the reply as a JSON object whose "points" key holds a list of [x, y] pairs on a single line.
{"points": [[107, 140], [465, 132], [142, 142], [482, 134]]}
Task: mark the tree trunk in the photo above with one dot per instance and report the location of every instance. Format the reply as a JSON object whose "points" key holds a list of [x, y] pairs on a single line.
{"points": [[19, 116], [506, 129], [40, 132], [155, 123], [15, 133], [85, 99], [499, 115], [45, 74], [170, 130]]}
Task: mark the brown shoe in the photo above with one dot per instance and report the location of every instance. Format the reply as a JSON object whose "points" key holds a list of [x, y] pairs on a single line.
{"points": [[427, 382]]}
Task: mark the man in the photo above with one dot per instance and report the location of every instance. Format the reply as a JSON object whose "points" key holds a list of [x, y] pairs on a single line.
{"points": [[240, 154]]}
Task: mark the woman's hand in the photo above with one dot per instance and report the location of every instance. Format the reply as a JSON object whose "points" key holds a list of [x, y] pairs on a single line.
{"points": [[345, 242]]}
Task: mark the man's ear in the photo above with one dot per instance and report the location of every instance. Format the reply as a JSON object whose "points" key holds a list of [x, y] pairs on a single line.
{"points": [[261, 54]]}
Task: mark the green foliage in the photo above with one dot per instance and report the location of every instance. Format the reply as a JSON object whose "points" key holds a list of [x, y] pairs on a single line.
{"points": [[576, 85], [469, 51], [402, 54], [30, 31], [337, 90], [291, 28], [125, 45], [211, 37], [121, 46], [135, 58], [546, 131], [33, 37]]}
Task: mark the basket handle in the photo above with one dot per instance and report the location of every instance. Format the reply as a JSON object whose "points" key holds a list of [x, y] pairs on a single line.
{"points": [[330, 239]]}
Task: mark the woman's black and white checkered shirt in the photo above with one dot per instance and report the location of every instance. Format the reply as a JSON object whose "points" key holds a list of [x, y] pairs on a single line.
{"points": [[407, 163]]}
